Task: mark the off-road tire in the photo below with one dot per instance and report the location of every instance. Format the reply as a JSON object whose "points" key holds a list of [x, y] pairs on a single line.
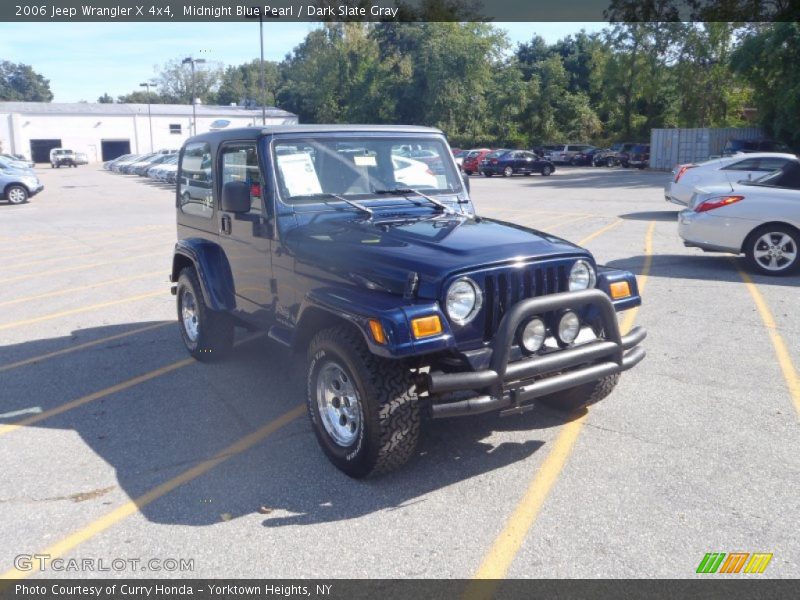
{"points": [[583, 395], [390, 415], [216, 329]]}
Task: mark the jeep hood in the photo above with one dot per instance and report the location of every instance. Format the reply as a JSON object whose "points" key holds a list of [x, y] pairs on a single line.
{"points": [[380, 254]]}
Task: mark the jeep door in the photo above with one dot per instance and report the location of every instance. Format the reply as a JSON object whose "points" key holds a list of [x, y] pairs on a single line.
{"points": [[245, 236]]}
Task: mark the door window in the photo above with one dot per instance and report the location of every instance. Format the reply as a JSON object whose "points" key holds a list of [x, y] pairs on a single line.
{"points": [[195, 184], [240, 163], [749, 164]]}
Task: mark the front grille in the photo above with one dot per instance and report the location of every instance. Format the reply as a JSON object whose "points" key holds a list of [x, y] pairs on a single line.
{"points": [[505, 288]]}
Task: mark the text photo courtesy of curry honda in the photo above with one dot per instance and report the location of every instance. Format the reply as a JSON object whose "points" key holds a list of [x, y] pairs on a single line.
{"points": [[452, 291]]}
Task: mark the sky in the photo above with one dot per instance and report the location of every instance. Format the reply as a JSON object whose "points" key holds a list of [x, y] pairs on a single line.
{"points": [[85, 60]]}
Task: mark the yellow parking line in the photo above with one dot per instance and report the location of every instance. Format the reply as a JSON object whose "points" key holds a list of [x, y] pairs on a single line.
{"points": [[501, 554], [80, 267], [82, 309], [60, 548], [599, 232], [62, 408], [82, 287], [145, 236], [15, 243], [88, 254], [568, 221], [778, 344], [110, 338]]}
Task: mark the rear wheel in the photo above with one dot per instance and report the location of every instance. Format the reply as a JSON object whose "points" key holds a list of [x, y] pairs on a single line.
{"points": [[468, 172], [508, 172], [363, 409], [773, 250], [207, 334], [610, 162], [17, 194], [487, 174], [583, 395]]}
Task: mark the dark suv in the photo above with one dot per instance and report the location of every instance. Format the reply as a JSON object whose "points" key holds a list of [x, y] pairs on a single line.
{"points": [[405, 302]]}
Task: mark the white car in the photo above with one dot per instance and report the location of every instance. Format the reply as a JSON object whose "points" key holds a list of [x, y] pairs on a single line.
{"points": [[717, 171], [760, 219], [413, 173]]}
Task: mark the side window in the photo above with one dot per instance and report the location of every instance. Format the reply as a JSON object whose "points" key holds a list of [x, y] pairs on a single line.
{"points": [[749, 164], [771, 164], [239, 162], [196, 180]]}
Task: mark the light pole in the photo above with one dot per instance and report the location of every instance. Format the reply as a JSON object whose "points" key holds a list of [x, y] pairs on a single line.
{"points": [[257, 11], [147, 85], [193, 62]]}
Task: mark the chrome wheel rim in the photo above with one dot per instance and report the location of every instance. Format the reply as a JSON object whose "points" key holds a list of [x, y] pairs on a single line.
{"points": [[189, 315], [16, 196], [337, 401], [775, 251], [508, 171]]}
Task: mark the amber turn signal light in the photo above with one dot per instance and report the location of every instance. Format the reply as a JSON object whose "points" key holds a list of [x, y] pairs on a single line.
{"points": [[620, 289], [376, 329], [426, 326]]}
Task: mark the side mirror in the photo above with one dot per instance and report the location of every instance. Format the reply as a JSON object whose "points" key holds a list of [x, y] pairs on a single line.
{"points": [[465, 179], [236, 197]]}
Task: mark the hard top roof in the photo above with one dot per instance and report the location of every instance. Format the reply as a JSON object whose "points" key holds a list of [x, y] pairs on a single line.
{"points": [[256, 132]]}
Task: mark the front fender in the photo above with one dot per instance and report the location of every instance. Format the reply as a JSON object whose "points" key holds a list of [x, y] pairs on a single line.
{"points": [[213, 271], [394, 314]]}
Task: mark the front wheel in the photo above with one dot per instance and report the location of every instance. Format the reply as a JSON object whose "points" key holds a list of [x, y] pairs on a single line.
{"points": [[773, 250], [363, 408], [580, 396], [546, 170], [508, 172], [16, 194], [487, 174], [207, 334], [610, 162]]}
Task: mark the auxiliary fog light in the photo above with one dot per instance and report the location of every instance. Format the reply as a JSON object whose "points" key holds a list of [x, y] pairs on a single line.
{"points": [[533, 335], [569, 326]]}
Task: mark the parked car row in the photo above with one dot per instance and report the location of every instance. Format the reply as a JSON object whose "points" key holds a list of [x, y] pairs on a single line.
{"points": [[744, 204], [160, 166], [18, 182]]}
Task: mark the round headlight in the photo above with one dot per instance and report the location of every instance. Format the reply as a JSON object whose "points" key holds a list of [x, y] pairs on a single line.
{"points": [[533, 335], [582, 276], [464, 300], [568, 327]]}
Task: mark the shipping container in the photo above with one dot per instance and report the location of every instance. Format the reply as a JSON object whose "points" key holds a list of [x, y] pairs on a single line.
{"points": [[670, 147]]}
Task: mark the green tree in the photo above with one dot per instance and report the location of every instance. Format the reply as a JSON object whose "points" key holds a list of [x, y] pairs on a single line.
{"points": [[105, 99], [175, 82], [768, 60], [141, 97], [21, 83], [242, 84]]}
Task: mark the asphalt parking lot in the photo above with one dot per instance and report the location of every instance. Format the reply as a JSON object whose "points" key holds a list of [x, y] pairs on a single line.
{"points": [[116, 445]]}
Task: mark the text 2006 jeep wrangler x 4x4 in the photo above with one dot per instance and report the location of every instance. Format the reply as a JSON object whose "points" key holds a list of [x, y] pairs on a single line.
{"points": [[340, 244]]}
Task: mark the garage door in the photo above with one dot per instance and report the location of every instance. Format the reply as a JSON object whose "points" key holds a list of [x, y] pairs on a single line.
{"points": [[111, 149], [40, 150]]}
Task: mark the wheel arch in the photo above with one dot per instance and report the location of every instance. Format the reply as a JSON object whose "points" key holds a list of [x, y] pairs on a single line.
{"points": [[313, 320], [213, 271], [15, 184]]}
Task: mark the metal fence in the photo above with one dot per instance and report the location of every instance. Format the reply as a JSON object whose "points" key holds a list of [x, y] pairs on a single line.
{"points": [[669, 147]]}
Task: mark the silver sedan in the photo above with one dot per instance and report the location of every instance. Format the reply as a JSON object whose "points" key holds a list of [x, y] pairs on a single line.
{"points": [[760, 219]]}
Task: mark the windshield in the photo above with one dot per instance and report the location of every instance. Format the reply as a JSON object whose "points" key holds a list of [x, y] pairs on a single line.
{"points": [[359, 167]]}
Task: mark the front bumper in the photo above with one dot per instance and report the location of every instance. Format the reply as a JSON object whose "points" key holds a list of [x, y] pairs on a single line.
{"points": [[509, 385]]}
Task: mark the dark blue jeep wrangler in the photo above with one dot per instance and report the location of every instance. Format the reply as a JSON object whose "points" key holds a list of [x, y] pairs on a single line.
{"points": [[359, 245]]}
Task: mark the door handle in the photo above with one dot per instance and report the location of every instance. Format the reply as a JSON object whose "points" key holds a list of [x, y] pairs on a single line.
{"points": [[226, 224]]}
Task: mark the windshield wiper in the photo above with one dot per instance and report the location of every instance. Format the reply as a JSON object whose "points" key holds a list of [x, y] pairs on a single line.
{"points": [[322, 195], [405, 191]]}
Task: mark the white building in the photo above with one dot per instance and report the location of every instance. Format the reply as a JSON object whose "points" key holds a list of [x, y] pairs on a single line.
{"points": [[105, 131]]}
